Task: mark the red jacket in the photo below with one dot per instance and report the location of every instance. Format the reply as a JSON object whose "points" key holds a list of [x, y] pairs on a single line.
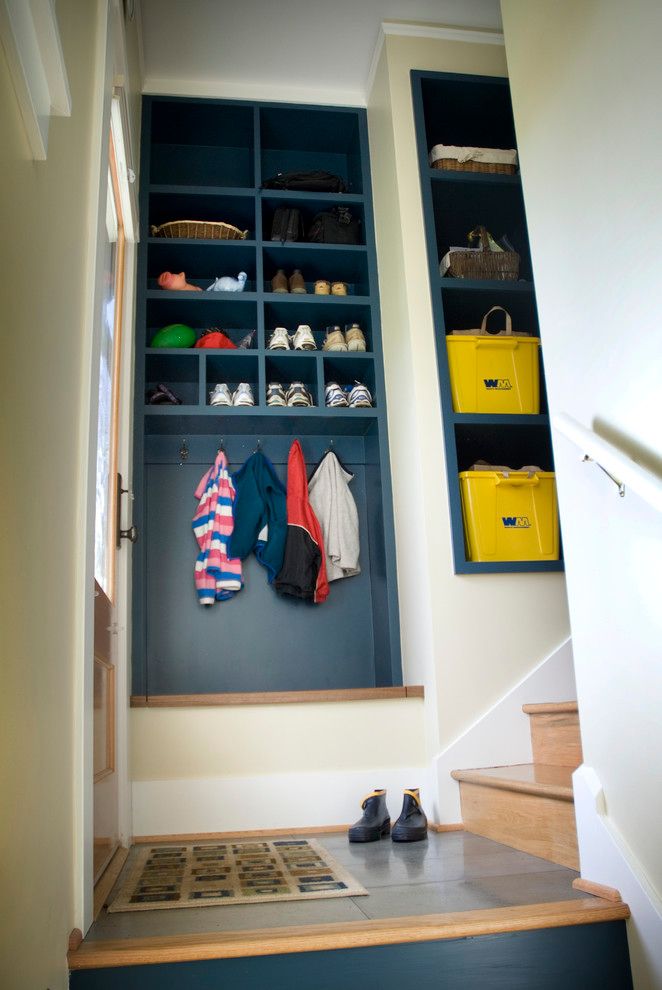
{"points": [[303, 573]]}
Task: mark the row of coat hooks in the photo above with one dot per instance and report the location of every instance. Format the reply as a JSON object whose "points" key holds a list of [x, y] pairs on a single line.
{"points": [[184, 450]]}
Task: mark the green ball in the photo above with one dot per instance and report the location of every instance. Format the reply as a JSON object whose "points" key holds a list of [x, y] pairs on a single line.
{"points": [[174, 335]]}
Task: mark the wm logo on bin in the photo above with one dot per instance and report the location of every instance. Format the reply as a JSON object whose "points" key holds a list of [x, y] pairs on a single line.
{"points": [[497, 384], [516, 522]]}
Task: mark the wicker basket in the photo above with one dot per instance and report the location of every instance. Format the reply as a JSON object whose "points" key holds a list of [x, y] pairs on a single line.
{"points": [[200, 230], [452, 165], [502, 266]]}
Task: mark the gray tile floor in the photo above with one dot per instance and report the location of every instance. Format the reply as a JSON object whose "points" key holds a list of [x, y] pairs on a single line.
{"points": [[452, 871]]}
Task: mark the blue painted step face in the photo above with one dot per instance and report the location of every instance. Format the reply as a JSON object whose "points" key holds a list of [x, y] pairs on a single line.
{"points": [[581, 957]]}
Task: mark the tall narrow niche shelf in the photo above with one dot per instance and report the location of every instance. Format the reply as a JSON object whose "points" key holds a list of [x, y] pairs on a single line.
{"points": [[475, 111], [207, 160]]}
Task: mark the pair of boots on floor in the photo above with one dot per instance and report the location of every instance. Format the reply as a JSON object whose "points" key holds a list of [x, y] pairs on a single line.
{"points": [[375, 822]]}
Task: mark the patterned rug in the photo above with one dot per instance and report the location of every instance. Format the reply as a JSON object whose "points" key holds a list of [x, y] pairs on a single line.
{"points": [[179, 876]]}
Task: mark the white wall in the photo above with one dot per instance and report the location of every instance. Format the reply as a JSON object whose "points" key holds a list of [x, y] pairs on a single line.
{"points": [[465, 674], [46, 258], [586, 78]]}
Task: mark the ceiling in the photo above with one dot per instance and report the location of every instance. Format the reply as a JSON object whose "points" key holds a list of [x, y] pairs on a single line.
{"points": [[307, 50]]}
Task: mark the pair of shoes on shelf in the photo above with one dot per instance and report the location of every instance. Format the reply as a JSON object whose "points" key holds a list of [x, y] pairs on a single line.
{"points": [[356, 396], [221, 395], [352, 339], [161, 395], [301, 340], [324, 288], [296, 395], [295, 283], [375, 822]]}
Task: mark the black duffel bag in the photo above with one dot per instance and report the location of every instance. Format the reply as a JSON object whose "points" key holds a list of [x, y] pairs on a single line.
{"points": [[317, 181], [335, 226]]}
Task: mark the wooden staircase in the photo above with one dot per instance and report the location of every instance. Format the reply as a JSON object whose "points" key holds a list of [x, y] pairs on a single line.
{"points": [[530, 806]]}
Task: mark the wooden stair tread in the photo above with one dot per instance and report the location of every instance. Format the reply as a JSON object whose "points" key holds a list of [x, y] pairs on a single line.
{"points": [[528, 778], [315, 938], [551, 708]]}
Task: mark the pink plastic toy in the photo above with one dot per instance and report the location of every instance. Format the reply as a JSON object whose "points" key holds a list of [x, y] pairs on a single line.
{"points": [[177, 282]]}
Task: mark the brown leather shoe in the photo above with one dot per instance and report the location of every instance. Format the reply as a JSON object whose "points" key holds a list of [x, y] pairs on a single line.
{"points": [[279, 282], [322, 287], [297, 283], [339, 289]]}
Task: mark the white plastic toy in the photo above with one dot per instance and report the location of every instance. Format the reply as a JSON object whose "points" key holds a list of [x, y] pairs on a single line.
{"points": [[228, 284]]}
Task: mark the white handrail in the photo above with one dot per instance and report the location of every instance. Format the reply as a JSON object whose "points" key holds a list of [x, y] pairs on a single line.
{"points": [[625, 472]]}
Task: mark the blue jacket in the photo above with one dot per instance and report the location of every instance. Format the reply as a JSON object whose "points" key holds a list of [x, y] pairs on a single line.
{"points": [[260, 514]]}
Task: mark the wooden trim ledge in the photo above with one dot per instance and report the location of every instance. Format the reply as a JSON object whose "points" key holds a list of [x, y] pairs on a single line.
{"points": [[597, 889], [501, 781], [317, 938], [274, 697], [551, 708]]}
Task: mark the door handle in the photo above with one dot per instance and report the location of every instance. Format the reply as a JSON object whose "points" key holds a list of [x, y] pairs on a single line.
{"points": [[123, 534]]}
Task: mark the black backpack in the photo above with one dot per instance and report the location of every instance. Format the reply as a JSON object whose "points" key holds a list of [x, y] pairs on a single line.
{"points": [[287, 225], [317, 181], [335, 226]]}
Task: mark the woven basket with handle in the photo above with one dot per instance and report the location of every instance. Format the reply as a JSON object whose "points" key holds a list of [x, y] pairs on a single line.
{"points": [[494, 168], [500, 265], [200, 230]]}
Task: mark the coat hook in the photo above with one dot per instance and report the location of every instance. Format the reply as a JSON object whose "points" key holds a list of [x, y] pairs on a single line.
{"points": [[183, 453]]}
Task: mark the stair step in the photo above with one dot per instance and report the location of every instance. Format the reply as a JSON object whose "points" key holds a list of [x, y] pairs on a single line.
{"points": [[141, 952], [527, 807], [528, 778], [555, 733]]}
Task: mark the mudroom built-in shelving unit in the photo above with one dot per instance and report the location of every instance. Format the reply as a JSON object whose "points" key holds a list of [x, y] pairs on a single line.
{"points": [[207, 160], [475, 111]]}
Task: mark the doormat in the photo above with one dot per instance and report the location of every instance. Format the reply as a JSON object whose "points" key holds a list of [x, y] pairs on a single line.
{"points": [[180, 876]]}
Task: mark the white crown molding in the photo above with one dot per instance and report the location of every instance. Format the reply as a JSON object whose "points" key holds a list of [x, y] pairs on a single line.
{"points": [[409, 29]]}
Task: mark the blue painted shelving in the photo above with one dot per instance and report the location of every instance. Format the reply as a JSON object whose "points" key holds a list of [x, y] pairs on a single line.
{"points": [[206, 160], [475, 111]]}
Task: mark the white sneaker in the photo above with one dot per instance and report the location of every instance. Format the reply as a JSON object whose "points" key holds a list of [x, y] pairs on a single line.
{"points": [[279, 340], [359, 397], [220, 395], [334, 395], [243, 395], [334, 340], [355, 338], [303, 338]]}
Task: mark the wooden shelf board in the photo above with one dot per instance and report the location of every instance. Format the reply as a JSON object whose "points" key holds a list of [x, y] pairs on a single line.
{"points": [[274, 697], [551, 708], [318, 938]]}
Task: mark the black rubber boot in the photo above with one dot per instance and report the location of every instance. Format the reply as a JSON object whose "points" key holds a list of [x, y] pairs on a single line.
{"points": [[412, 825], [375, 821]]}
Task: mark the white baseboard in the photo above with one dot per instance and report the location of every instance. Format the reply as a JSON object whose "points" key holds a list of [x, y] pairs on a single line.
{"points": [[605, 858], [502, 736], [273, 801]]}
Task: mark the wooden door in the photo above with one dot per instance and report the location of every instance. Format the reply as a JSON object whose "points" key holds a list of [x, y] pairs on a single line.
{"points": [[106, 536]]}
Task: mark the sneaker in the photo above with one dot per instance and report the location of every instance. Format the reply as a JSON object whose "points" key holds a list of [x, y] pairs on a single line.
{"points": [[303, 339], [243, 395], [220, 396], [298, 395], [279, 282], [334, 395], [334, 340], [359, 397], [322, 287], [296, 283], [355, 338], [276, 394], [339, 289], [279, 340]]}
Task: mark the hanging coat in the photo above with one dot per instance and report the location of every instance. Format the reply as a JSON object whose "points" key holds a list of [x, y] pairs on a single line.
{"points": [[303, 574], [217, 575], [260, 514], [335, 508]]}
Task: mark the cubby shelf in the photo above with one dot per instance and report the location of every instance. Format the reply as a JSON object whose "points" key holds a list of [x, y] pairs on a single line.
{"points": [[475, 111], [207, 160]]}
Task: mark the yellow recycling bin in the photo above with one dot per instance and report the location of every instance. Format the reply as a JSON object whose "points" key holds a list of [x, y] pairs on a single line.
{"points": [[494, 372], [510, 515]]}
